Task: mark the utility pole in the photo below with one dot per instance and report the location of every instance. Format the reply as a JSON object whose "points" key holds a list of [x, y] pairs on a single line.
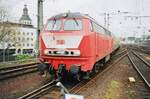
{"points": [[108, 20], [107, 17], [139, 18], [105, 20], [39, 21]]}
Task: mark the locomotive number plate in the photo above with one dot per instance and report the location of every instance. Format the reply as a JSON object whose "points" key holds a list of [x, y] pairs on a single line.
{"points": [[71, 96], [60, 42]]}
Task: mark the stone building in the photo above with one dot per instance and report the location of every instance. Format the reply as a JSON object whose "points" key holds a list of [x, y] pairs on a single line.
{"points": [[22, 38]]}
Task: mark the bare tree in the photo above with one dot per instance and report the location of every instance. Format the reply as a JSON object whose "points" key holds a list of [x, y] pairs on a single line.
{"points": [[3, 14], [8, 32], [3, 17], [8, 35]]}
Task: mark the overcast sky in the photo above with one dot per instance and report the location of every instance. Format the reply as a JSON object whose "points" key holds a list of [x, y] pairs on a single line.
{"points": [[92, 7]]}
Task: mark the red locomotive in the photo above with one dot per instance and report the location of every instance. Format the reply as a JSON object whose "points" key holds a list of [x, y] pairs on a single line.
{"points": [[74, 43]]}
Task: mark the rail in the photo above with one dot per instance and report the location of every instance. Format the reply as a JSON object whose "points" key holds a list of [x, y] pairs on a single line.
{"points": [[14, 71], [39, 91], [138, 69], [84, 83]]}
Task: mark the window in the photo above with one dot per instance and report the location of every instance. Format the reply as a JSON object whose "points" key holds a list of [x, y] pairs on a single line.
{"points": [[19, 51], [31, 33], [107, 32], [53, 25], [28, 33], [112, 35], [15, 33], [19, 44], [91, 26], [31, 39], [27, 44], [18, 38], [97, 28], [73, 24], [23, 39], [23, 33], [27, 39], [146, 42]]}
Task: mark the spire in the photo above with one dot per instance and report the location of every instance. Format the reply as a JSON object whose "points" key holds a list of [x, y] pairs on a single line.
{"points": [[25, 19], [25, 10]]}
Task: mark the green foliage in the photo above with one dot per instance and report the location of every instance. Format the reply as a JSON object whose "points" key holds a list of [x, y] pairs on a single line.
{"points": [[113, 90], [23, 57]]}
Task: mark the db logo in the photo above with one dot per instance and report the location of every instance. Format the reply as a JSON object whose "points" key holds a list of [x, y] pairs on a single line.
{"points": [[60, 42], [73, 98]]}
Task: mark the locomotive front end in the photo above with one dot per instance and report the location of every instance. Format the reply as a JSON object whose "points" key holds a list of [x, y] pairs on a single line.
{"points": [[62, 48]]}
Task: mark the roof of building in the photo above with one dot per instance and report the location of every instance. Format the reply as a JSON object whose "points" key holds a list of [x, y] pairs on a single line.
{"points": [[7, 23], [25, 15]]}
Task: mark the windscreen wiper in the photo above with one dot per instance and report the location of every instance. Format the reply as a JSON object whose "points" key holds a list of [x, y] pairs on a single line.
{"points": [[66, 15], [54, 23], [76, 21]]}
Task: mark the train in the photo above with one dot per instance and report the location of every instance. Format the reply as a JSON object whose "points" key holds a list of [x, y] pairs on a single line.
{"points": [[74, 44], [144, 46]]}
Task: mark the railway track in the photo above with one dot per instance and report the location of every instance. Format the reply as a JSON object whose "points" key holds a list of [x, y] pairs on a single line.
{"points": [[121, 52], [37, 92], [87, 83], [14, 71], [141, 66], [140, 49], [73, 89]]}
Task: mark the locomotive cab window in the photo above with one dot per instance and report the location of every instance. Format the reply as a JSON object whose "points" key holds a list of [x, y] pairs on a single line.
{"points": [[73, 24], [53, 25]]}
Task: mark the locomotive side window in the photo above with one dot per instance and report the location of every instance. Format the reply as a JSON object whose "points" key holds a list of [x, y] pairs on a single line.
{"points": [[73, 24], [112, 35], [53, 25], [146, 42], [97, 28], [91, 26], [107, 32]]}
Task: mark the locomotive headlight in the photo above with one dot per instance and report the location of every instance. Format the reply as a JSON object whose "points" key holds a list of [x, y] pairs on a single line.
{"points": [[46, 52], [75, 53]]}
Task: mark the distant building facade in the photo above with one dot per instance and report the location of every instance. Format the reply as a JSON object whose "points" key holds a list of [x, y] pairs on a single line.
{"points": [[24, 35]]}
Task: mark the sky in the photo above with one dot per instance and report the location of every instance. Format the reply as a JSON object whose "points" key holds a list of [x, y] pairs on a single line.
{"points": [[94, 8]]}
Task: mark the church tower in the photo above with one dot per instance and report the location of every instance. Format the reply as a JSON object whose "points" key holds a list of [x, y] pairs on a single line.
{"points": [[25, 19]]}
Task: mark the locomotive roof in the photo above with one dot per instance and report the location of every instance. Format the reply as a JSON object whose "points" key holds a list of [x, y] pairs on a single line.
{"points": [[70, 15], [73, 15]]}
